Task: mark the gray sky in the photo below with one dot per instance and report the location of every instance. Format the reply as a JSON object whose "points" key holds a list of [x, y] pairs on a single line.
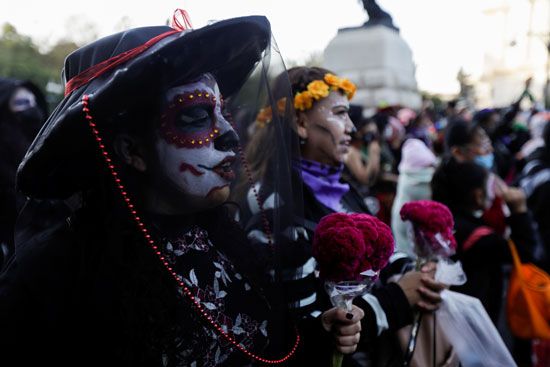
{"points": [[443, 34]]}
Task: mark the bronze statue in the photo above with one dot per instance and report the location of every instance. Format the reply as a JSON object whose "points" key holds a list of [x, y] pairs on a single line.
{"points": [[377, 16]]}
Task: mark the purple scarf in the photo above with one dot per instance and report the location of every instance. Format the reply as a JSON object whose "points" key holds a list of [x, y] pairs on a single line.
{"points": [[324, 181]]}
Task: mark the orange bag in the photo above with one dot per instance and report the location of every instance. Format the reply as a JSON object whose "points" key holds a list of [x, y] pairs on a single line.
{"points": [[528, 300]]}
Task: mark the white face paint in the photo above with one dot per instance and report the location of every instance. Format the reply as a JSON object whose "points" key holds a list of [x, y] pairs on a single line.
{"points": [[329, 128], [190, 123]]}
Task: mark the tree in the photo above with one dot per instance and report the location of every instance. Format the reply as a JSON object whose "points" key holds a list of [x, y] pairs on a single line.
{"points": [[20, 58]]}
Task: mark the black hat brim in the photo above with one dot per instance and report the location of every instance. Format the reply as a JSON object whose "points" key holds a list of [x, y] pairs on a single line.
{"points": [[60, 160]]}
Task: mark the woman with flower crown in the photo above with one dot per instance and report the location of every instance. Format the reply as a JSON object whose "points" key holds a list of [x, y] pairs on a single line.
{"points": [[321, 121], [127, 253]]}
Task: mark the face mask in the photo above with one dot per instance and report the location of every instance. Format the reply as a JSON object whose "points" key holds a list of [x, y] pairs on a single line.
{"points": [[486, 160]]}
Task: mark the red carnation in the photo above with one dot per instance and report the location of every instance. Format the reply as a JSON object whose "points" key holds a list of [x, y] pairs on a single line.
{"points": [[378, 241], [346, 245], [431, 218]]}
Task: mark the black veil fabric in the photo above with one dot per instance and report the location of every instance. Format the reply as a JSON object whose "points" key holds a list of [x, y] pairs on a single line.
{"points": [[102, 278], [267, 194]]}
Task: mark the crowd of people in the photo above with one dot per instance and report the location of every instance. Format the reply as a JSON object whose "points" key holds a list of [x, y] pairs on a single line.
{"points": [[164, 213]]}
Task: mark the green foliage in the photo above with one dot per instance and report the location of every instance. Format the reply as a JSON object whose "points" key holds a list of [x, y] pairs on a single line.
{"points": [[21, 59]]}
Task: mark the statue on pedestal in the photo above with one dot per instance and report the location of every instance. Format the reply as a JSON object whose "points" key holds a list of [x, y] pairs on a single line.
{"points": [[377, 16]]}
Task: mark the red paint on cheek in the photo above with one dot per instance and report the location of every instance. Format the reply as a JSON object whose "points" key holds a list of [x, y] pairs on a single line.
{"points": [[187, 167]]}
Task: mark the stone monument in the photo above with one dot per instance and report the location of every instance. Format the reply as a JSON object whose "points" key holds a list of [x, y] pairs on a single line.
{"points": [[377, 59]]}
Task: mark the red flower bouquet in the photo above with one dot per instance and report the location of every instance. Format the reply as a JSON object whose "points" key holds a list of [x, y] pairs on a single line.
{"points": [[346, 245], [432, 225], [432, 233], [350, 249]]}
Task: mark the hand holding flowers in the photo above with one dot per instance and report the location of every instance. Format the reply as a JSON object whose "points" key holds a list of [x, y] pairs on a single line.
{"points": [[350, 249]]}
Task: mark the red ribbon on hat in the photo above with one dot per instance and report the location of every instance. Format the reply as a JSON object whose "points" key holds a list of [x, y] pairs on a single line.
{"points": [[94, 71], [179, 26]]}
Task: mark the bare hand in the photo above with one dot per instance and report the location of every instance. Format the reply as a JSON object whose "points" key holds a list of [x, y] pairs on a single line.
{"points": [[344, 326], [515, 199], [374, 149], [421, 289]]}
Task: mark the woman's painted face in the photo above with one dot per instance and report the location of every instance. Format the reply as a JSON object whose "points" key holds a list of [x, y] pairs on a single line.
{"points": [[329, 129], [195, 143]]}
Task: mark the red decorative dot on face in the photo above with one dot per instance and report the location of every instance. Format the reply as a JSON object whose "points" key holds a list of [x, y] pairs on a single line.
{"points": [[174, 135]]}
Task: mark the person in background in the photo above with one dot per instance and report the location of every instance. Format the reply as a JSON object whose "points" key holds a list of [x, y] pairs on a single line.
{"points": [[393, 135], [23, 110], [483, 252], [535, 181], [322, 123], [363, 160], [150, 268], [422, 128], [509, 135], [468, 142], [415, 174], [537, 123]]}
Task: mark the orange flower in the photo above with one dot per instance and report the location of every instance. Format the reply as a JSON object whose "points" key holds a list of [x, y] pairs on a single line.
{"points": [[348, 87], [281, 106], [318, 89], [303, 101], [332, 80], [264, 117]]}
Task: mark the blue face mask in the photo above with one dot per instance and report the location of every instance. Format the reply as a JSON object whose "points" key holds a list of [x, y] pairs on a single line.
{"points": [[486, 160]]}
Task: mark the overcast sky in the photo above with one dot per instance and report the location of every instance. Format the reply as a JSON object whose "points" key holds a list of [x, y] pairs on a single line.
{"points": [[443, 34]]}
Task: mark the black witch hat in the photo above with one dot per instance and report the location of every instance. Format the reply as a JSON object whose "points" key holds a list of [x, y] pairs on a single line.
{"points": [[123, 70]]}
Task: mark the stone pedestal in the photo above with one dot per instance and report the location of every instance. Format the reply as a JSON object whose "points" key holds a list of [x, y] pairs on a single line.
{"points": [[379, 61]]}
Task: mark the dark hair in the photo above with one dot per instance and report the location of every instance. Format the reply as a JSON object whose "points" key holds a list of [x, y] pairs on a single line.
{"points": [[356, 115], [453, 183], [460, 133], [301, 76], [452, 103], [483, 116]]}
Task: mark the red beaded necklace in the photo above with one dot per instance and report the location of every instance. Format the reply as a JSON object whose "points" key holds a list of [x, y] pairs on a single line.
{"points": [[134, 214]]}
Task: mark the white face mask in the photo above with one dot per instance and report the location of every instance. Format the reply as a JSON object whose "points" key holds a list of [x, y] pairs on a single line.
{"points": [[190, 123], [22, 99]]}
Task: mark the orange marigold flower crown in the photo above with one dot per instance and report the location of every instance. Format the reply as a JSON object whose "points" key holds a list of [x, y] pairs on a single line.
{"points": [[318, 89]]}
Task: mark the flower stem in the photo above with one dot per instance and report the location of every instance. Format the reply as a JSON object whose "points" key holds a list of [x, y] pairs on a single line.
{"points": [[337, 359]]}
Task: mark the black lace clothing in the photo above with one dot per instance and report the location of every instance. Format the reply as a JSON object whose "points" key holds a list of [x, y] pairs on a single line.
{"points": [[79, 292]]}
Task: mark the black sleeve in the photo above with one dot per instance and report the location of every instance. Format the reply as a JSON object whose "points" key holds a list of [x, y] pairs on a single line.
{"points": [[395, 305], [399, 266]]}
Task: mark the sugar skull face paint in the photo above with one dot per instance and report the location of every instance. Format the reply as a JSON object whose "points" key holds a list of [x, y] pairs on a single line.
{"points": [[195, 143]]}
